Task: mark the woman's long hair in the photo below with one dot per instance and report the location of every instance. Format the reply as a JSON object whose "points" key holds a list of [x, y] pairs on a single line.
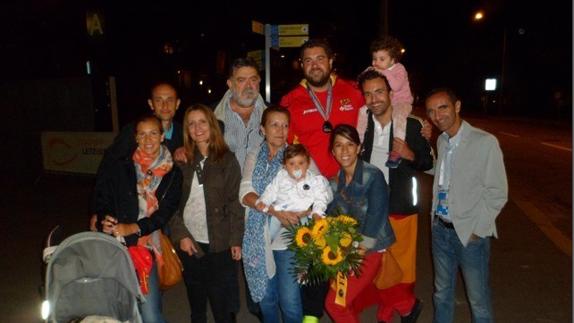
{"points": [[217, 145]]}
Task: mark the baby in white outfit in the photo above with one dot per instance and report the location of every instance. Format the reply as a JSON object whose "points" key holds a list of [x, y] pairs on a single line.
{"points": [[295, 188]]}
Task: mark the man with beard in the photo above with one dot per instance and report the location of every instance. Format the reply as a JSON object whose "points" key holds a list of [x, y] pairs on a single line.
{"points": [[415, 153], [319, 103], [241, 108]]}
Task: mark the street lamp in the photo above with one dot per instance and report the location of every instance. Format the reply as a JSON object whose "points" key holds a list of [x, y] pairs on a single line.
{"points": [[478, 17]]}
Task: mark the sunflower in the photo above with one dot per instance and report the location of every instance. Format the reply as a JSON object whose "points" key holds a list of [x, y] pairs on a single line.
{"points": [[331, 258], [346, 219], [320, 242], [319, 228], [346, 240], [303, 237]]}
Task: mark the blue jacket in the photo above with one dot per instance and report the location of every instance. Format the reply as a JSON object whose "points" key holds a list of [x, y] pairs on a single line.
{"points": [[366, 199]]}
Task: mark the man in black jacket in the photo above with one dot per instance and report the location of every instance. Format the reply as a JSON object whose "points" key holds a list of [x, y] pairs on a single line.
{"points": [[415, 152]]}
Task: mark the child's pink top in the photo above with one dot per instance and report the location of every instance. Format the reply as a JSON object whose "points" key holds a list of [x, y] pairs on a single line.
{"points": [[399, 82]]}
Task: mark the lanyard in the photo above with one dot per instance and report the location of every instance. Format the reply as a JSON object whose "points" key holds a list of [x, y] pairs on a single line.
{"points": [[325, 113]]}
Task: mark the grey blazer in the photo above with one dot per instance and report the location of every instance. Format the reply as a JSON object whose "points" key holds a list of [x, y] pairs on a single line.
{"points": [[478, 187]]}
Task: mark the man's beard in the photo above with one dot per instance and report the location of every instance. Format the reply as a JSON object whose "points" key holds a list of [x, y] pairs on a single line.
{"points": [[250, 96], [382, 108], [320, 82]]}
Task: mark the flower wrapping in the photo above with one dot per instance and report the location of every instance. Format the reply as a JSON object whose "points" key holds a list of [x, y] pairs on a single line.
{"points": [[325, 247]]}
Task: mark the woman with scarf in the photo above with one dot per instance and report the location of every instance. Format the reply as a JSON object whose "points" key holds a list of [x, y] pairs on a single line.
{"points": [[135, 198], [360, 190], [268, 266], [208, 226]]}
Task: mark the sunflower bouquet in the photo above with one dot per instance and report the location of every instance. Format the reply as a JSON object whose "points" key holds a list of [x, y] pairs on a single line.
{"points": [[324, 248]]}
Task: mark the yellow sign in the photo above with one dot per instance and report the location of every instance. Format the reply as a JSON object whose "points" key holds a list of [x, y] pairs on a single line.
{"points": [[292, 41], [74, 152], [294, 30], [257, 56], [257, 27], [94, 24]]}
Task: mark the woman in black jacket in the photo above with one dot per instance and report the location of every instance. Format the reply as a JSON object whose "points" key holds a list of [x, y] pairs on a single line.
{"points": [[135, 198]]}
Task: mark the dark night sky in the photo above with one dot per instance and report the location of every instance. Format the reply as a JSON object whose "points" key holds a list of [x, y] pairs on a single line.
{"points": [[47, 39]]}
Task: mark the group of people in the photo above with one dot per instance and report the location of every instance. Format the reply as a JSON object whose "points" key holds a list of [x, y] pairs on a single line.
{"points": [[227, 183]]}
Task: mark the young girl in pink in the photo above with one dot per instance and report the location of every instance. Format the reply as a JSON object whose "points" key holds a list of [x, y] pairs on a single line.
{"points": [[386, 54]]}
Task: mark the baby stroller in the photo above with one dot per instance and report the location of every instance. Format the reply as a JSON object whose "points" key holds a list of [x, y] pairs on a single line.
{"points": [[89, 275]]}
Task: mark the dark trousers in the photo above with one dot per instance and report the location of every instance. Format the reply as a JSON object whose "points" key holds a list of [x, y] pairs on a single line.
{"points": [[313, 299], [210, 277]]}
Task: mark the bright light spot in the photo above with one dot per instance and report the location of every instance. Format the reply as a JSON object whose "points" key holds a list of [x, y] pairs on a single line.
{"points": [[168, 48], [403, 50], [178, 71], [282, 55], [490, 85], [45, 310], [414, 191], [88, 68], [200, 82], [208, 91], [478, 16]]}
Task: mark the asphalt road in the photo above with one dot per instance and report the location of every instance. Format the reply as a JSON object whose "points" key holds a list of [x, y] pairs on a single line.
{"points": [[531, 264]]}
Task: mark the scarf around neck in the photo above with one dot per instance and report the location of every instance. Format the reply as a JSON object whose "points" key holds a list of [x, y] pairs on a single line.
{"points": [[254, 243], [149, 173]]}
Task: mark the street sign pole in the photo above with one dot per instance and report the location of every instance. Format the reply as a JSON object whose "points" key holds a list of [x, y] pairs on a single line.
{"points": [[268, 62]]}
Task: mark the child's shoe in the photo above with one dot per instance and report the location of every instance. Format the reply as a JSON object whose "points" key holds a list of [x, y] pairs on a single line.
{"points": [[394, 160]]}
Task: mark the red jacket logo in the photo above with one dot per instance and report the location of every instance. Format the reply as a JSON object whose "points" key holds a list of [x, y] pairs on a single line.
{"points": [[346, 105]]}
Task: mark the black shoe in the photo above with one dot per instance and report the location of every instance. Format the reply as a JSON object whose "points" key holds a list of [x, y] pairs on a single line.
{"points": [[415, 312]]}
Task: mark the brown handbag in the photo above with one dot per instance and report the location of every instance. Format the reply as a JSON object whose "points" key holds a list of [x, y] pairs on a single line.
{"points": [[170, 271], [390, 272]]}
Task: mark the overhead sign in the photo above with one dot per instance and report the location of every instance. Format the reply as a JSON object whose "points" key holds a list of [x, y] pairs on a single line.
{"points": [[292, 41], [294, 30], [257, 56], [274, 36]]}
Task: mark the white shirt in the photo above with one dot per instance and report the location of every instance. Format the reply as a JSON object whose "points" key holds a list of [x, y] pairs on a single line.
{"points": [[194, 212], [380, 153], [445, 169], [287, 194]]}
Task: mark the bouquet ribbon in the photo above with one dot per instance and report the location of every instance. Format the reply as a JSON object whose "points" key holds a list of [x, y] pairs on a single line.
{"points": [[341, 289]]}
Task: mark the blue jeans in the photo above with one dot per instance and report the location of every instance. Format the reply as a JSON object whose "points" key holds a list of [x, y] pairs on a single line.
{"points": [[448, 254], [282, 297], [151, 309]]}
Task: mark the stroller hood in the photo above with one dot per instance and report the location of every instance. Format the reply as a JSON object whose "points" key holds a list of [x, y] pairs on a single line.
{"points": [[91, 273]]}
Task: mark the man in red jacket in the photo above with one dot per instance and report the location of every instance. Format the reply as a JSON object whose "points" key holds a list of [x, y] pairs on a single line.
{"points": [[319, 103]]}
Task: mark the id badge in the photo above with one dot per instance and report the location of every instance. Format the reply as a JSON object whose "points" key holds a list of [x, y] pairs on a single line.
{"points": [[442, 203]]}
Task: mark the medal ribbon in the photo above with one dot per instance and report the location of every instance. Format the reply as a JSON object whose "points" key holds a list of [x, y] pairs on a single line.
{"points": [[325, 113]]}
